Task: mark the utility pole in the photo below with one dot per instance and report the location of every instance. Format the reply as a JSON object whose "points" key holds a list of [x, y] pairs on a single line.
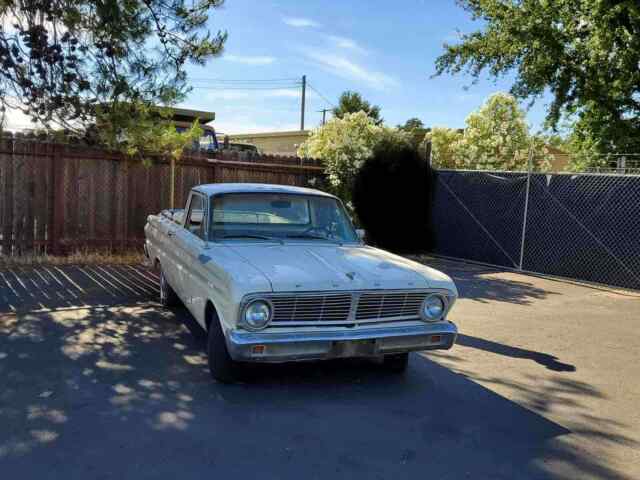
{"points": [[304, 90], [324, 114]]}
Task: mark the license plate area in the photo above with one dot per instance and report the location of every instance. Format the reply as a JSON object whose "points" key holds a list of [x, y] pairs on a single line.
{"points": [[354, 348]]}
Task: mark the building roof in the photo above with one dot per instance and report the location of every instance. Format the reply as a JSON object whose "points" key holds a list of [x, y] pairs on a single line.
{"points": [[270, 134], [222, 188], [188, 115]]}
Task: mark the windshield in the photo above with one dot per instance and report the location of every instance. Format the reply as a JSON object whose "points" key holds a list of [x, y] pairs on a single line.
{"points": [[268, 216]]}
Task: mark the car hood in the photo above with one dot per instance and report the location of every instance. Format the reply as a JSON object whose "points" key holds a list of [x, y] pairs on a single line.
{"points": [[303, 267]]}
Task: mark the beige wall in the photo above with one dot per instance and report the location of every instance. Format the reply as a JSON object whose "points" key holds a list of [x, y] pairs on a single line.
{"points": [[277, 143]]}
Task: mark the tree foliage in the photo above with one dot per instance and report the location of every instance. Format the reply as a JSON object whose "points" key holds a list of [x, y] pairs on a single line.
{"points": [[140, 131], [63, 60], [586, 53], [496, 137], [414, 127], [352, 102], [444, 143], [343, 144], [411, 125]]}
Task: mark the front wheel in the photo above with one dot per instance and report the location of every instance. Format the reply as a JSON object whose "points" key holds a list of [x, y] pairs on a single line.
{"points": [[221, 366], [168, 297], [396, 363]]}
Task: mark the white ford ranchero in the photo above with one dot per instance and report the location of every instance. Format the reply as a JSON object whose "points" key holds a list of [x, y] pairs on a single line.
{"points": [[277, 274]]}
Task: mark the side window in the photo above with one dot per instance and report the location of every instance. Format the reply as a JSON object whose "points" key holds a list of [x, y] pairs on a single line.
{"points": [[195, 217]]}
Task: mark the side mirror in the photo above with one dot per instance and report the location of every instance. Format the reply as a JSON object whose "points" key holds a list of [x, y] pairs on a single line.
{"points": [[361, 233]]}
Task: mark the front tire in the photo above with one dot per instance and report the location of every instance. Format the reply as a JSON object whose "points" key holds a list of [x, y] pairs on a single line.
{"points": [[168, 297], [396, 363], [221, 366]]}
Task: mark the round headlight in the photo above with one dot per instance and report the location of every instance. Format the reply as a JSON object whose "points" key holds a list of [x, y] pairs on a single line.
{"points": [[433, 308], [257, 314]]}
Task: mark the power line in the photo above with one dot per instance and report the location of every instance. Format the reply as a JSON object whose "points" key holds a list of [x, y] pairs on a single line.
{"points": [[283, 87], [321, 96], [238, 80]]}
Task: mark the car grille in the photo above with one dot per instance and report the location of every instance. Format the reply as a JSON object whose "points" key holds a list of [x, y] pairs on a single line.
{"points": [[314, 308], [336, 308], [373, 306]]}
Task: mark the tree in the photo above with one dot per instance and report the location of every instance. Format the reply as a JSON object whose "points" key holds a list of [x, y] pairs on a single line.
{"points": [[352, 102], [140, 130], [496, 137], [585, 53], [444, 142], [62, 59], [416, 129], [411, 125], [343, 144]]}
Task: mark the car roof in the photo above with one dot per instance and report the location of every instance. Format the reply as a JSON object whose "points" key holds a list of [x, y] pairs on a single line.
{"points": [[222, 188]]}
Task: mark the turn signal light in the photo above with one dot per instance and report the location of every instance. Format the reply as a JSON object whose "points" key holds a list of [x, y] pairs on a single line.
{"points": [[258, 349]]}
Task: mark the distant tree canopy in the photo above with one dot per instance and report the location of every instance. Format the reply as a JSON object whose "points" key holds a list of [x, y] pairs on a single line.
{"points": [[496, 137], [414, 127], [344, 144], [586, 54], [412, 124], [64, 60], [352, 102]]}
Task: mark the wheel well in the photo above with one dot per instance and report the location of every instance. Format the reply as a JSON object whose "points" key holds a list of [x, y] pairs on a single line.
{"points": [[209, 313]]}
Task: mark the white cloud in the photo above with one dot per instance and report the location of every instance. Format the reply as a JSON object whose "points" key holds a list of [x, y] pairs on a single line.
{"points": [[226, 95], [286, 92], [348, 69], [249, 60], [347, 44], [246, 123], [16, 120], [254, 95], [300, 22], [6, 22]]}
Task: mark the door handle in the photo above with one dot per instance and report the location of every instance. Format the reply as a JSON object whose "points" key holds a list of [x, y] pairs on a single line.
{"points": [[171, 233]]}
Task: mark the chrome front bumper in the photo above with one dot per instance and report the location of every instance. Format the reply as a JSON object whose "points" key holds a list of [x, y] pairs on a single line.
{"points": [[363, 342]]}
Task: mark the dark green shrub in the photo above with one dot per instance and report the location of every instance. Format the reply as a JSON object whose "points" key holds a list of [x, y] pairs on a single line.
{"points": [[392, 196]]}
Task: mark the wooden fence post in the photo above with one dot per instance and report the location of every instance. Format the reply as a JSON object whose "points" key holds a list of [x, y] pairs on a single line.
{"points": [[172, 187], [56, 213], [6, 147]]}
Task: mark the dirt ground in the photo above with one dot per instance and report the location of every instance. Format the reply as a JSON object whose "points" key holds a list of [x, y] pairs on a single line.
{"points": [[98, 381]]}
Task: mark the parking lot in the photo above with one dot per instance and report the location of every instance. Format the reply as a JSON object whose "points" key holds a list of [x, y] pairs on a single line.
{"points": [[98, 381]]}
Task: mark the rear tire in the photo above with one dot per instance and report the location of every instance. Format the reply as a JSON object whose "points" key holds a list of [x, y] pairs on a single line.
{"points": [[168, 297], [396, 363], [221, 366]]}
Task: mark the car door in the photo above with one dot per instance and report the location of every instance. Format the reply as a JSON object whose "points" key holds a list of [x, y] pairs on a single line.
{"points": [[193, 247], [169, 252]]}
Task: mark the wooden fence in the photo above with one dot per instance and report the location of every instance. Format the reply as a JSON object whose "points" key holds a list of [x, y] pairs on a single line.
{"points": [[57, 198]]}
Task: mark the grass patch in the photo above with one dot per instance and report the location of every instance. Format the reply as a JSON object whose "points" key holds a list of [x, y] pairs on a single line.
{"points": [[76, 258]]}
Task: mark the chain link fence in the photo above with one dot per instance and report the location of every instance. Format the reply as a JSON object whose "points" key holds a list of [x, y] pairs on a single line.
{"points": [[579, 225]]}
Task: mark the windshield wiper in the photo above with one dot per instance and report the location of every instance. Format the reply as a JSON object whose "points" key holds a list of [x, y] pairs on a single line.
{"points": [[308, 235], [249, 235]]}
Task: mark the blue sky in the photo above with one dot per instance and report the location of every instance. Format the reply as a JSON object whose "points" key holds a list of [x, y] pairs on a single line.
{"points": [[384, 50]]}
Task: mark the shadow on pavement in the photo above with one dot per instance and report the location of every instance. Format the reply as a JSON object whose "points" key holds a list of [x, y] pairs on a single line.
{"points": [[120, 392], [544, 359], [476, 283], [43, 287]]}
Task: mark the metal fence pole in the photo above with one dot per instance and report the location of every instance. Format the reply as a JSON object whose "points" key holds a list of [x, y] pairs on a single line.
{"points": [[526, 205]]}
